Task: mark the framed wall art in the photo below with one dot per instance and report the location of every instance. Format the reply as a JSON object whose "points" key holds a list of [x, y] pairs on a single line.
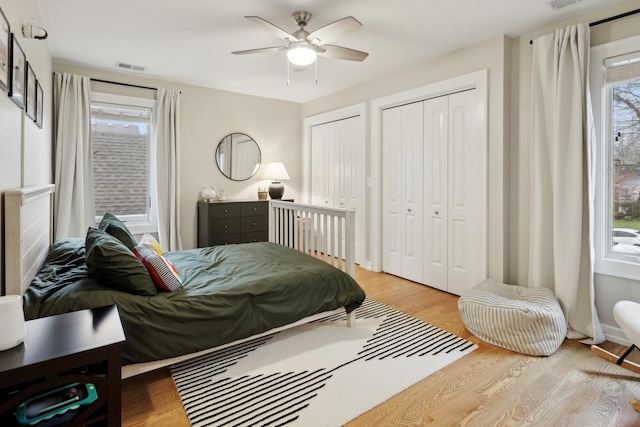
{"points": [[30, 91], [39, 104], [18, 73], [5, 39]]}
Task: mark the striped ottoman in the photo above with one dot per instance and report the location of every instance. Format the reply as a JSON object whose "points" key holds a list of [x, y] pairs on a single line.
{"points": [[525, 320]]}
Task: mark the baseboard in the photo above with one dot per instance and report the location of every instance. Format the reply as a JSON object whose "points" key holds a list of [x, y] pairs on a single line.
{"points": [[614, 334]]}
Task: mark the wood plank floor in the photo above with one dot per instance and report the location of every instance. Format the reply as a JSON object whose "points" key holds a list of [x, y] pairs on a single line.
{"points": [[489, 387]]}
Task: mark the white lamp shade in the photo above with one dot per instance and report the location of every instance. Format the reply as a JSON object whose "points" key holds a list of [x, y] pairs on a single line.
{"points": [[276, 172], [12, 321], [301, 55]]}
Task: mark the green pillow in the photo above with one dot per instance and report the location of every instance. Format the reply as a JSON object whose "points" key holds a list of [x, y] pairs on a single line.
{"points": [[113, 265], [112, 225]]}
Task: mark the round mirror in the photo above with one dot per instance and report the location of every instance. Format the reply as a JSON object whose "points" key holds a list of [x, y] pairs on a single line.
{"points": [[238, 156]]}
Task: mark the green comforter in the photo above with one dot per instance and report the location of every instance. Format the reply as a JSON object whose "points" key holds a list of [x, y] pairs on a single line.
{"points": [[229, 292]]}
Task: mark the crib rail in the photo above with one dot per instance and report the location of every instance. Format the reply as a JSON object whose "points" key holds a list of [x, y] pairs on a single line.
{"points": [[325, 233]]}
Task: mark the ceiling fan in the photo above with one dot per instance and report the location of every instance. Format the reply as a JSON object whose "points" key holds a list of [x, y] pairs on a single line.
{"points": [[303, 47]]}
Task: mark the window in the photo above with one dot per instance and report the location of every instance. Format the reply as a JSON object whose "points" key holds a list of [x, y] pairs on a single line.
{"points": [[615, 88], [122, 132]]}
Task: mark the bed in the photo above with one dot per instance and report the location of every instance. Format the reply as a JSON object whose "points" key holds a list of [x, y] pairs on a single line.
{"points": [[228, 293]]}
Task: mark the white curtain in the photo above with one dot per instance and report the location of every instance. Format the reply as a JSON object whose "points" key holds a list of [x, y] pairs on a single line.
{"points": [[168, 168], [561, 249], [74, 201]]}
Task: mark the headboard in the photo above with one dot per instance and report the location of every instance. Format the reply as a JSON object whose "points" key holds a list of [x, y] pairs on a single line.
{"points": [[28, 234]]}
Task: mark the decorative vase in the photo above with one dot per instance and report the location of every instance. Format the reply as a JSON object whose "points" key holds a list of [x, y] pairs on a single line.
{"points": [[262, 194], [208, 194]]}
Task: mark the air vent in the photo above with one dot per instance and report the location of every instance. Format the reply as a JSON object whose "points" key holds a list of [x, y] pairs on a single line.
{"points": [[559, 4], [130, 66]]}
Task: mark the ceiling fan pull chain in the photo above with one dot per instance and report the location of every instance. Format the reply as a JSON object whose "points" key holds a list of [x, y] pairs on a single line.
{"points": [[316, 68], [288, 71]]}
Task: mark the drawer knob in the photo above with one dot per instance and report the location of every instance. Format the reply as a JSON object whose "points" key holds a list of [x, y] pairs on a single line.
{"points": [[254, 224], [226, 211], [254, 209], [226, 226]]}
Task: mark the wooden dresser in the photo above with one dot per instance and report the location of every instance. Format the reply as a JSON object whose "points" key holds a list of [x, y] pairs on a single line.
{"points": [[222, 223]]}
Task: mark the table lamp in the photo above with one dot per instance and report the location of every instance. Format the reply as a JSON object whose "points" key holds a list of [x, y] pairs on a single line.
{"points": [[276, 172]]}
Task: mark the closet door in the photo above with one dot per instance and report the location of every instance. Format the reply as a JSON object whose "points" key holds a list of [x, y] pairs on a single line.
{"points": [[392, 229], [337, 172], [402, 176], [436, 137], [455, 194], [412, 191], [322, 174], [349, 181], [467, 195]]}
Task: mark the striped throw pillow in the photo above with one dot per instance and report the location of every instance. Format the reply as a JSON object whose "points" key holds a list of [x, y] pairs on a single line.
{"points": [[164, 274]]}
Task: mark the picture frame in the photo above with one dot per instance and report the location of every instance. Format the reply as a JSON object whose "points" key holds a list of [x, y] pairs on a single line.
{"points": [[30, 91], [5, 40], [18, 73], [39, 104]]}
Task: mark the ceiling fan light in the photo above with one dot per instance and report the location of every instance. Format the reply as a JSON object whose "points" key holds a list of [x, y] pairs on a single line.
{"points": [[301, 55]]}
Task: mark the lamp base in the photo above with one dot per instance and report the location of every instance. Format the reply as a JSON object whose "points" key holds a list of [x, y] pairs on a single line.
{"points": [[276, 190]]}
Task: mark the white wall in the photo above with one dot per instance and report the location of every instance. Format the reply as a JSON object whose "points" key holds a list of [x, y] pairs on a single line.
{"points": [[608, 289], [206, 116], [25, 149]]}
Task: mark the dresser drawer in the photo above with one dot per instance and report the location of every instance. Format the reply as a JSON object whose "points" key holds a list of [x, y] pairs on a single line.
{"points": [[250, 224], [224, 210], [224, 226], [254, 208]]}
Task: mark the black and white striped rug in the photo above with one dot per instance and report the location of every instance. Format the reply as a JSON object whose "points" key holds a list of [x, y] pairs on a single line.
{"points": [[318, 374]]}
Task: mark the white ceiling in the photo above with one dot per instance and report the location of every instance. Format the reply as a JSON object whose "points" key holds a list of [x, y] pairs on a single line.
{"points": [[190, 41]]}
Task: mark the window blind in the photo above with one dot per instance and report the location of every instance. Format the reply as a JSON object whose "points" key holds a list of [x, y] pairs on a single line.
{"points": [[622, 68]]}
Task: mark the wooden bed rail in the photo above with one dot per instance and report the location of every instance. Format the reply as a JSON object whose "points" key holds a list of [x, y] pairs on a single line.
{"points": [[325, 233]]}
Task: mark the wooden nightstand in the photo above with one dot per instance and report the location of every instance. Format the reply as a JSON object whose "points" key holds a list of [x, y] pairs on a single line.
{"points": [[83, 346]]}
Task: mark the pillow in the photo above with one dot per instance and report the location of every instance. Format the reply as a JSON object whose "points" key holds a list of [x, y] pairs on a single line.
{"points": [[162, 271], [151, 242], [113, 265], [112, 225]]}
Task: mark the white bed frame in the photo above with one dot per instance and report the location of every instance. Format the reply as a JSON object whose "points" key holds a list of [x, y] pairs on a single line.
{"points": [[325, 233]]}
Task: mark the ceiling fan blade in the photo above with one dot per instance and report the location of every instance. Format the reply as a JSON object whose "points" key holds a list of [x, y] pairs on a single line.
{"points": [[333, 31], [276, 31], [260, 50], [339, 52]]}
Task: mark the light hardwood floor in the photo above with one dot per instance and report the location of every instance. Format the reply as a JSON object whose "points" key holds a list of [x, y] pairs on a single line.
{"points": [[489, 387]]}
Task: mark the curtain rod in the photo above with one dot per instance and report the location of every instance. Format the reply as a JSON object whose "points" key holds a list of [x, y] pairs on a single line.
{"points": [[123, 84], [612, 18]]}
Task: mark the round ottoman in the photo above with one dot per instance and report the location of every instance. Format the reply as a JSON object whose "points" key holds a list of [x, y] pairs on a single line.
{"points": [[525, 320]]}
